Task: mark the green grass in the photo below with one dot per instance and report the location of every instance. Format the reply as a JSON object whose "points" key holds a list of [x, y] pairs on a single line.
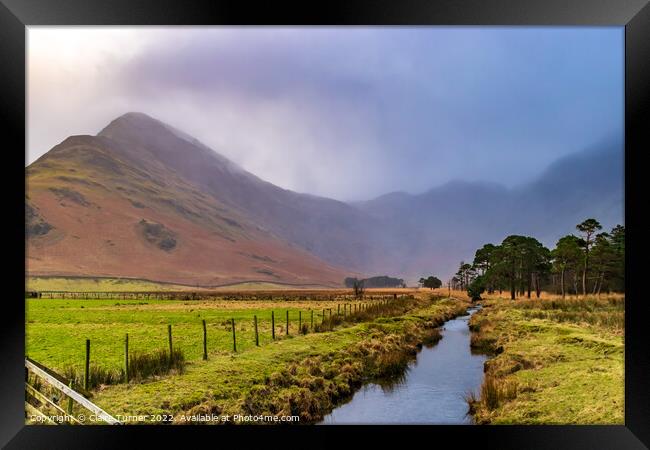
{"points": [[563, 361], [303, 374], [56, 330]]}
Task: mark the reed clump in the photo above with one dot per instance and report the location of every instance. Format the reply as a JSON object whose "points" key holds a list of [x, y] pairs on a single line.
{"points": [[97, 376], [160, 362], [141, 366]]}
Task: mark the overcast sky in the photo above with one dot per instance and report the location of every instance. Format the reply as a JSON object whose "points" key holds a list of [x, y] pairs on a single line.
{"points": [[345, 113]]}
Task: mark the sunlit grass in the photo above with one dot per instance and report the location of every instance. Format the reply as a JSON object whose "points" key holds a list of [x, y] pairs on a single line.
{"points": [[56, 330], [305, 374], [557, 361]]}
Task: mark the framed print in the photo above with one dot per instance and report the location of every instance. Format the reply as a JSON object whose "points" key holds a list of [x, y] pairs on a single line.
{"points": [[365, 218]]}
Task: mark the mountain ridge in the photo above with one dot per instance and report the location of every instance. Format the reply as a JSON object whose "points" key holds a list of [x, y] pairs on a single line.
{"points": [[92, 194], [138, 162]]}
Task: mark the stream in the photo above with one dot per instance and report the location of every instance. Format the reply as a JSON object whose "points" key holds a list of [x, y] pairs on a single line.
{"points": [[432, 391]]}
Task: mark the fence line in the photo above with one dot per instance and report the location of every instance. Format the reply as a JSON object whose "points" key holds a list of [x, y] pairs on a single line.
{"points": [[185, 295], [373, 308]]}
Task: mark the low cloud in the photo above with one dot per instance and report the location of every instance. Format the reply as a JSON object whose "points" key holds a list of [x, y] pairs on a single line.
{"points": [[345, 113]]}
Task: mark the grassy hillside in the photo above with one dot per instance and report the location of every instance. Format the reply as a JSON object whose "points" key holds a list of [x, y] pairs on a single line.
{"points": [[94, 284], [99, 284], [96, 207]]}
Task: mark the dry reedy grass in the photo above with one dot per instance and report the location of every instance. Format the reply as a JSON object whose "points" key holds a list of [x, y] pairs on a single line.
{"points": [[606, 311], [549, 333], [494, 392], [544, 295]]}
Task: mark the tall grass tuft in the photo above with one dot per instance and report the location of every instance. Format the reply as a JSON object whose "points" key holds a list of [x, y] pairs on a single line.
{"points": [[472, 401], [144, 365], [432, 338], [97, 376], [392, 363], [495, 392], [141, 366]]}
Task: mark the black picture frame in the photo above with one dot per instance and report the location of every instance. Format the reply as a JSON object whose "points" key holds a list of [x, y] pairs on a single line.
{"points": [[634, 15]]}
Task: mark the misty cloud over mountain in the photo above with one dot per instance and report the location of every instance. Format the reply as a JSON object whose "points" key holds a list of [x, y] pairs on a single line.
{"points": [[349, 113], [448, 223], [143, 169]]}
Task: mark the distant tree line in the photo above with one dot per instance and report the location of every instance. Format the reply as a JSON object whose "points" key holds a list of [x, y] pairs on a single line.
{"points": [[590, 263], [375, 282]]}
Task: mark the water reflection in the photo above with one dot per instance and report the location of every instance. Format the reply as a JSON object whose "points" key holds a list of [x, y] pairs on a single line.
{"points": [[431, 391]]}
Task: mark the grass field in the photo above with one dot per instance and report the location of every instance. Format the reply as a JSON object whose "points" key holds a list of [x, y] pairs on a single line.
{"points": [[295, 374], [56, 330], [557, 361], [553, 360]]}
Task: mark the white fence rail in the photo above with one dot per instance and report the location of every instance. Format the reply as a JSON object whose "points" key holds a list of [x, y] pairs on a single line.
{"points": [[70, 393]]}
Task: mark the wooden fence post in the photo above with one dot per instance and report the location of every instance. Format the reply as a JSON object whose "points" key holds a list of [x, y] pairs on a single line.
{"points": [[272, 325], [205, 341], [87, 367], [126, 358], [338, 309], [257, 337], [234, 339], [169, 336]]}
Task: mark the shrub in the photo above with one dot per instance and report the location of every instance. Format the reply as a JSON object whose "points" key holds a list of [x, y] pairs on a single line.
{"points": [[476, 288]]}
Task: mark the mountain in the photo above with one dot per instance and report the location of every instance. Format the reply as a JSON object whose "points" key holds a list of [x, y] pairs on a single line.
{"points": [[584, 184], [329, 229], [448, 223], [142, 199]]}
